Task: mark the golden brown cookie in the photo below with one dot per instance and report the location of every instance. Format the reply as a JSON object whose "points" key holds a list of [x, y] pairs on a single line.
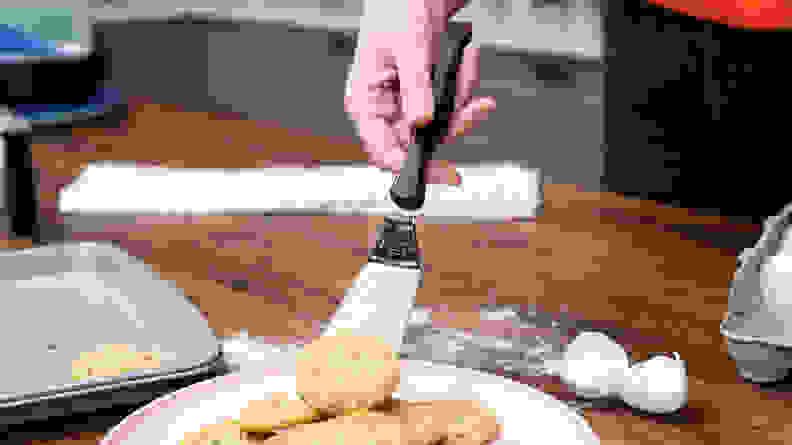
{"points": [[454, 422], [345, 372], [282, 410], [225, 433], [369, 429], [112, 361], [415, 429]]}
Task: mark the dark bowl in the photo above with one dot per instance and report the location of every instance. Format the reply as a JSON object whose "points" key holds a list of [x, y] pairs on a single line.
{"points": [[760, 362], [55, 80]]}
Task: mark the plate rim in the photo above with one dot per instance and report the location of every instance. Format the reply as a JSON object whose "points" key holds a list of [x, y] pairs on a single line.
{"points": [[119, 432]]}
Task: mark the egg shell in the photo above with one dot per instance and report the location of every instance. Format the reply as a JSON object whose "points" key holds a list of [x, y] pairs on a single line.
{"points": [[658, 385], [594, 365]]}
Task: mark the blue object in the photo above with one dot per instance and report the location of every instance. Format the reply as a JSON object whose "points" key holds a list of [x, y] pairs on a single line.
{"points": [[14, 41], [99, 103]]}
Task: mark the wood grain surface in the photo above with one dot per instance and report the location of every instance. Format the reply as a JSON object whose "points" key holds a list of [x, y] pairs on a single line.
{"points": [[615, 262]]}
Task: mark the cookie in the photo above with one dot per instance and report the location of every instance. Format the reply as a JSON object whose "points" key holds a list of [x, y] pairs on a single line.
{"points": [[344, 372], [112, 361], [453, 422], [280, 411], [225, 433], [369, 429]]}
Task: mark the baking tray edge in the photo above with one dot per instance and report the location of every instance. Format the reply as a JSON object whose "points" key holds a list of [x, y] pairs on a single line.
{"points": [[137, 390]]}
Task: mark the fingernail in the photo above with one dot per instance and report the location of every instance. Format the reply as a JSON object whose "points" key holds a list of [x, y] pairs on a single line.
{"points": [[478, 116], [458, 179]]}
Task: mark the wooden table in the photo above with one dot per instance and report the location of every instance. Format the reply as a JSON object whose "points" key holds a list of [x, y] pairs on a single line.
{"points": [[592, 256]]}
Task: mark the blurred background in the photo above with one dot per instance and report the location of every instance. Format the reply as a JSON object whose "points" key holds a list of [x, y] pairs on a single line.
{"points": [[284, 62], [542, 60]]}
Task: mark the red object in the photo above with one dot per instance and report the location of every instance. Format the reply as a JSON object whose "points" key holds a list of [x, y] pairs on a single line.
{"points": [[760, 14]]}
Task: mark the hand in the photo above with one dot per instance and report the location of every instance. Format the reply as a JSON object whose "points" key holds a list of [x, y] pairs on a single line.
{"points": [[389, 89]]}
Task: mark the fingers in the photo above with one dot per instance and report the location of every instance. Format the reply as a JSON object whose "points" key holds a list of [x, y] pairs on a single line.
{"points": [[386, 113], [455, 6], [382, 143], [370, 94], [467, 118], [374, 105], [388, 150], [468, 76], [442, 172], [469, 112], [438, 172], [358, 83], [414, 61]]}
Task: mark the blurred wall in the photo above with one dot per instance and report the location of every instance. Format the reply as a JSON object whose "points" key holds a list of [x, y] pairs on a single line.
{"points": [[564, 26], [550, 106]]}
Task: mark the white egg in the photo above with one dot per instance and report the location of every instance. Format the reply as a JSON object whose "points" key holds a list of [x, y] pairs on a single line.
{"points": [[594, 365], [776, 282], [658, 385]]}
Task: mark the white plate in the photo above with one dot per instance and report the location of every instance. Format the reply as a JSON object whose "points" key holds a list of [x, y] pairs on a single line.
{"points": [[526, 414]]}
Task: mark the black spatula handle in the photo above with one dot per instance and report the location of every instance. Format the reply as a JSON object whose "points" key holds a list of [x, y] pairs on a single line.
{"points": [[408, 191]]}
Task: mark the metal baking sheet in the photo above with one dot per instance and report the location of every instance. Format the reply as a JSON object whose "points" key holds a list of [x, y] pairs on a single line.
{"points": [[67, 299], [122, 395]]}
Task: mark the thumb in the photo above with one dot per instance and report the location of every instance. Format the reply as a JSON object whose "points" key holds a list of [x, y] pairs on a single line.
{"points": [[442, 172]]}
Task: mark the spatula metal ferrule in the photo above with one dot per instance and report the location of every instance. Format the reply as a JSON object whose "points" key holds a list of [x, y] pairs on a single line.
{"points": [[397, 244]]}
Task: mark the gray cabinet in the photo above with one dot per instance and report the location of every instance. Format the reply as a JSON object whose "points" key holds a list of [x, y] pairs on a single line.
{"points": [[164, 60], [549, 108], [281, 73], [549, 114]]}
